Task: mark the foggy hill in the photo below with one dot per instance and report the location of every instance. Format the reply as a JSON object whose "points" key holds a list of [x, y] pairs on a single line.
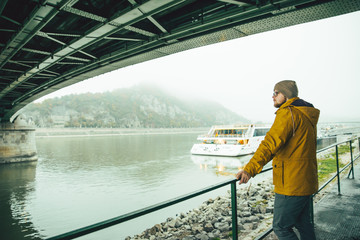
{"points": [[137, 107]]}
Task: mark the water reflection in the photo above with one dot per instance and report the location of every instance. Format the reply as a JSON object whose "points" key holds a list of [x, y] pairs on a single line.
{"points": [[221, 165], [16, 192]]}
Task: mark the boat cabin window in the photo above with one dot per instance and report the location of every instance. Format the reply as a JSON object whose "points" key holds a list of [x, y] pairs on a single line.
{"points": [[240, 131], [260, 132], [218, 132]]}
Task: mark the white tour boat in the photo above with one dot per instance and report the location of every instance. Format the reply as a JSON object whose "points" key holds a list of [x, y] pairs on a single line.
{"points": [[230, 141]]}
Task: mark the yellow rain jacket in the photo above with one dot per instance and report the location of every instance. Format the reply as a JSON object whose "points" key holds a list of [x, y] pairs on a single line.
{"points": [[291, 144]]}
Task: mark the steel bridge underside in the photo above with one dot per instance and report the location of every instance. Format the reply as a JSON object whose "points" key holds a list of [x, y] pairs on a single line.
{"points": [[46, 45]]}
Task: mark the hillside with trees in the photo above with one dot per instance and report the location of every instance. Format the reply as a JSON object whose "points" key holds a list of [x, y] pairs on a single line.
{"points": [[137, 107]]}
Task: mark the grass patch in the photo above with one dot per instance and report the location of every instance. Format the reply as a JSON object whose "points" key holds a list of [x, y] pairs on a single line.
{"points": [[327, 166], [342, 149]]}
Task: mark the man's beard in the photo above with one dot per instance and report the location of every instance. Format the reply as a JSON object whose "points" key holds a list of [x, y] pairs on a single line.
{"points": [[277, 105]]}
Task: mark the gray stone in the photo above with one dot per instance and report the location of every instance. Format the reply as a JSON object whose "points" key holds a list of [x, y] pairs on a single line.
{"points": [[254, 218], [247, 220], [216, 232], [255, 225], [211, 235], [201, 236], [248, 226], [197, 229], [178, 223], [171, 223], [222, 226], [269, 209], [262, 209], [187, 227], [189, 238], [245, 214], [208, 227], [240, 226]]}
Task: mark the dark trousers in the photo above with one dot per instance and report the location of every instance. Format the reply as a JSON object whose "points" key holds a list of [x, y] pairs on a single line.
{"points": [[289, 212]]}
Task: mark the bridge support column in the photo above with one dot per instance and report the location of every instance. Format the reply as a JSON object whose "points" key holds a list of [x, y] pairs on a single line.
{"points": [[17, 143]]}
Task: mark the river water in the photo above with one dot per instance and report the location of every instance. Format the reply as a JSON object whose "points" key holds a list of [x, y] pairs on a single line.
{"points": [[79, 181]]}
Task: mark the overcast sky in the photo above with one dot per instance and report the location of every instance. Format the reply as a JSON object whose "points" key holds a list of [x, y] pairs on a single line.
{"points": [[323, 57]]}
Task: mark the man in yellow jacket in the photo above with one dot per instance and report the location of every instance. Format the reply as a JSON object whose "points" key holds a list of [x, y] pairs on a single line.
{"points": [[291, 144]]}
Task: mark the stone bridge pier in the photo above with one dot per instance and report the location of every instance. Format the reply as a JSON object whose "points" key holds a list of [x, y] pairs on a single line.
{"points": [[17, 142]]}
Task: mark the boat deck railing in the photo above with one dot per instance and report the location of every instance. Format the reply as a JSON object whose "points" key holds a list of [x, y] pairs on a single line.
{"points": [[232, 183], [223, 136]]}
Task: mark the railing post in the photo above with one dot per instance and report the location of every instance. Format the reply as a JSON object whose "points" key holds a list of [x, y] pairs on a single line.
{"points": [[312, 209], [234, 211], [337, 169], [352, 161]]}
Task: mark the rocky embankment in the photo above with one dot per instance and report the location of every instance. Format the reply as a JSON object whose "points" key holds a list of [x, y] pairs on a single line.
{"points": [[212, 220]]}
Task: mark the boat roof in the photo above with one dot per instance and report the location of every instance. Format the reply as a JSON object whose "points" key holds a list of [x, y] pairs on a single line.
{"points": [[239, 126]]}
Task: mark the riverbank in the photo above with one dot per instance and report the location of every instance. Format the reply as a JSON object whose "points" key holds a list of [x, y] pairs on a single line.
{"points": [[212, 220], [78, 132]]}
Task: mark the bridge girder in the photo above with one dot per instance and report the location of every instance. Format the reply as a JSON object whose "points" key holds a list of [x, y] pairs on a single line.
{"points": [[46, 45]]}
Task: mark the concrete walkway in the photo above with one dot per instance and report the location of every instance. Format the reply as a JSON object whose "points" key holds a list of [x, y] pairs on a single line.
{"points": [[338, 216]]}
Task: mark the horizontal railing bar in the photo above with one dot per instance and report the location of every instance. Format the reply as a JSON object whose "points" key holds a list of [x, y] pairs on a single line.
{"points": [[265, 170], [264, 234], [331, 146], [110, 222], [334, 144]]}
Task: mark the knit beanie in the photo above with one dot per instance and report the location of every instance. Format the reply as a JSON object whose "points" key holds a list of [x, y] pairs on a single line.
{"points": [[288, 88]]}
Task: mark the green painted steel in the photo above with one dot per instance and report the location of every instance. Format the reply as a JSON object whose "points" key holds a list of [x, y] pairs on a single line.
{"points": [[352, 164], [234, 211], [337, 168]]}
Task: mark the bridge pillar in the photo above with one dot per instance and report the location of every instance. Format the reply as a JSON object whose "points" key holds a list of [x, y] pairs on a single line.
{"points": [[17, 142]]}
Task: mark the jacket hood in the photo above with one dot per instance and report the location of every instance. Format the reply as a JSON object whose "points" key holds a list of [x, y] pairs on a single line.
{"points": [[304, 107]]}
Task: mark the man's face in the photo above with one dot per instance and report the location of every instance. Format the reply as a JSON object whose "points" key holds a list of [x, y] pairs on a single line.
{"points": [[278, 99]]}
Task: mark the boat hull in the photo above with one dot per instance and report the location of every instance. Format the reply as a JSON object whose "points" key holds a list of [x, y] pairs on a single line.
{"points": [[221, 150]]}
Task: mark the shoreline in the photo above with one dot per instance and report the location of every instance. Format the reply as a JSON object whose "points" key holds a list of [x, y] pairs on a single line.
{"points": [[86, 132]]}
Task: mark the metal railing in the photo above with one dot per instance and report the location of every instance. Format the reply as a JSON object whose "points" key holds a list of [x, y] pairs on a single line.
{"points": [[126, 217]]}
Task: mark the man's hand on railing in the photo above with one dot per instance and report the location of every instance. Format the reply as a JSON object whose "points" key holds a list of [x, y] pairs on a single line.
{"points": [[243, 176]]}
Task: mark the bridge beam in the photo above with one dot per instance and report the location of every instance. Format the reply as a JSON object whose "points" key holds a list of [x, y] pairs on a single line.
{"points": [[17, 142]]}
